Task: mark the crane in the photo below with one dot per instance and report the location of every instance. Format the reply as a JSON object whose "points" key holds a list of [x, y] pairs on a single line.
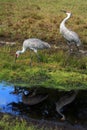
{"points": [[33, 44], [70, 36]]}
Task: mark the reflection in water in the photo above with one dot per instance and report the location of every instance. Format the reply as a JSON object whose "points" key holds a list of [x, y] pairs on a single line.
{"points": [[33, 99], [76, 112], [64, 100]]}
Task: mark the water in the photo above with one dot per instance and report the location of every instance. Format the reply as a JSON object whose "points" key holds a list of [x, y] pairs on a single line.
{"points": [[75, 112], [6, 98]]}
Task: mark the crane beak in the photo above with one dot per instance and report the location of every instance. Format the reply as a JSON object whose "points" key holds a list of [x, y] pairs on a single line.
{"points": [[63, 10]]}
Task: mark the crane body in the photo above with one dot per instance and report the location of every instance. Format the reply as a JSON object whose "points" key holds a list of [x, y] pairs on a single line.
{"points": [[71, 36], [33, 44]]}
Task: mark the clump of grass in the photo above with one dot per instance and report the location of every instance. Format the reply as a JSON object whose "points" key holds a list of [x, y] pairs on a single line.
{"points": [[7, 123]]}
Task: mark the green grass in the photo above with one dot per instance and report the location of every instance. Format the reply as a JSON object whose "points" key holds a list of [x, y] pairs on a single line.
{"points": [[21, 19], [50, 72], [8, 123]]}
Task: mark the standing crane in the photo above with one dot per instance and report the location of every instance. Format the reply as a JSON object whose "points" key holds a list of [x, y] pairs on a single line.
{"points": [[70, 36], [33, 44]]}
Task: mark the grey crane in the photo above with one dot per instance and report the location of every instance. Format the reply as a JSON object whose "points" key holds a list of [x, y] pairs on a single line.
{"points": [[70, 36], [33, 44]]}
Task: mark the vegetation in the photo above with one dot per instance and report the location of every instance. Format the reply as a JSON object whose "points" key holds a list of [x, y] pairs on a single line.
{"points": [[11, 123], [21, 19]]}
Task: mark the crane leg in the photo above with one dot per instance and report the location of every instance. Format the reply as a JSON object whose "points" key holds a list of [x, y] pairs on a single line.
{"points": [[77, 47], [30, 59], [70, 49], [37, 55], [69, 45]]}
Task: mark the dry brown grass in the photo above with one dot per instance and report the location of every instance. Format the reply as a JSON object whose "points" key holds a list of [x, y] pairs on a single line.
{"points": [[41, 19]]}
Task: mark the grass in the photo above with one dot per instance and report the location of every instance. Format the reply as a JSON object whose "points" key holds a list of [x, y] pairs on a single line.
{"points": [[21, 19], [8, 123], [50, 72]]}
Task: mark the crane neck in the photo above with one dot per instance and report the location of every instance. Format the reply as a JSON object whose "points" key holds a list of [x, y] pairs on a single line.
{"points": [[22, 51], [68, 16]]}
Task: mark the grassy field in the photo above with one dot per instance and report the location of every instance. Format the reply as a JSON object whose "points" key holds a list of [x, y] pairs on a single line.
{"points": [[21, 19]]}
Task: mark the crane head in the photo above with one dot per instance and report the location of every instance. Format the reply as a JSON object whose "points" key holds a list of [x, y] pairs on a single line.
{"points": [[67, 12], [17, 55]]}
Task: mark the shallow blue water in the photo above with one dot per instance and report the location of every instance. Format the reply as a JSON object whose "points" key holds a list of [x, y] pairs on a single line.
{"points": [[6, 98]]}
